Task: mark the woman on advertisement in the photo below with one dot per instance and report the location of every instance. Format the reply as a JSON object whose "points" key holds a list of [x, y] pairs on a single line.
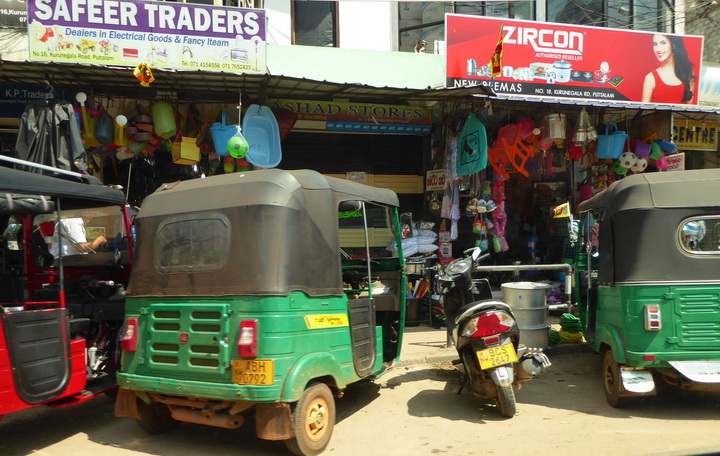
{"points": [[673, 80]]}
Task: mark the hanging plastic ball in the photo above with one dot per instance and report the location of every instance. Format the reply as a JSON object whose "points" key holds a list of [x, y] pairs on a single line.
{"points": [[627, 159], [229, 167], [238, 147], [619, 169], [121, 120], [639, 165]]}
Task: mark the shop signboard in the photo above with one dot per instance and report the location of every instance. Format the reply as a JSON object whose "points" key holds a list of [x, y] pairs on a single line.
{"points": [[162, 34], [435, 180], [675, 162], [15, 97], [357, 176], [360, 117], [565, 61], [695, 134], [13, 14]]}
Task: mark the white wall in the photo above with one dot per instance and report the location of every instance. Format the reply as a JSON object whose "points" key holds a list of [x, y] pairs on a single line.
{"points": [[279, 21], [371, 26]]}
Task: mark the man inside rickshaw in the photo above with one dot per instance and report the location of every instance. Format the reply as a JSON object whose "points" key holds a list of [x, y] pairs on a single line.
{"points": [[74, 237]]}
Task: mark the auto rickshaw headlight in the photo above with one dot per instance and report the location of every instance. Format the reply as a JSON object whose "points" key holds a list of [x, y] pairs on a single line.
{"points": [[247, 342]]}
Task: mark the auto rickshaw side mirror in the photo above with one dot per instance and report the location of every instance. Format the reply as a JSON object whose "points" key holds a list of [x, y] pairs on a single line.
{"points": [[351, 205], [45, 260]]}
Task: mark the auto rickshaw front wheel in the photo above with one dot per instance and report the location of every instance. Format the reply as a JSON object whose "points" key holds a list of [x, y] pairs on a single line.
{"points": [[155, 418], [313, 421], [612, 381]]}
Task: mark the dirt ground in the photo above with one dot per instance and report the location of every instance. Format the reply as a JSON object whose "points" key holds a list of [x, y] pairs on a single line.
{"points": [[413, 411]]}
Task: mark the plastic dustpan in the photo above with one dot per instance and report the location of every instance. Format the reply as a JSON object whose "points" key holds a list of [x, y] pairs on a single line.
{"points": [[261, 131]]}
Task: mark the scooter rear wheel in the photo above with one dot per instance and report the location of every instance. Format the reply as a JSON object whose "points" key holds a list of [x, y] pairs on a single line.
{"points": [[506, 400]]}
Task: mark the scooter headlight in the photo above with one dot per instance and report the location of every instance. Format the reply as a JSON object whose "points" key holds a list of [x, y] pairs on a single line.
{"points": [[488, 324]]}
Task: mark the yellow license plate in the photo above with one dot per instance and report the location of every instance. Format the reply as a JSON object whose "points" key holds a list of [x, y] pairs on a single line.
{"points": [[253, 371], [497, 356]]}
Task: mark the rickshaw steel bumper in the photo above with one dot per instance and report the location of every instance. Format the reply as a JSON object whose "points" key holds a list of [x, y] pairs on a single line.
{"points": [[209, 390]]}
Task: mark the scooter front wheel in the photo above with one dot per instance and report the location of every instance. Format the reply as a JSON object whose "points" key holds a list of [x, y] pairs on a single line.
{"points": [[506, 400]]}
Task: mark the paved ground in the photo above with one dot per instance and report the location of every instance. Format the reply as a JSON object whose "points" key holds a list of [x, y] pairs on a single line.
{"points": [[423, 344]]}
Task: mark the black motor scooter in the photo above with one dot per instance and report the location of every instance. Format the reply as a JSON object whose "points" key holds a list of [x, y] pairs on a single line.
{"points": [[486, 335]]}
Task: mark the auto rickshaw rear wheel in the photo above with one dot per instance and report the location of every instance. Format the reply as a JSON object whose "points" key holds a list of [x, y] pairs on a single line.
{"points": [[313, 421], [612, 381], [155, 418]]}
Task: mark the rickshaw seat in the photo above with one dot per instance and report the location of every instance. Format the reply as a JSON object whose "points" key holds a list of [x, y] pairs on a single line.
{"points": [[385, 294], [386, 291]]}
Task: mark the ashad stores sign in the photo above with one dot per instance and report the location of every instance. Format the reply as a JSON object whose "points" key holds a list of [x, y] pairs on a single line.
{"points": [[557, 60], [360, 117], [163, 34], [695, 134]]}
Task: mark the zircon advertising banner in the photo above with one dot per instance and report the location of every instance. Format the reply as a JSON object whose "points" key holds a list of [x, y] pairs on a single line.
{"points": [[162, 34], [569, 61]]}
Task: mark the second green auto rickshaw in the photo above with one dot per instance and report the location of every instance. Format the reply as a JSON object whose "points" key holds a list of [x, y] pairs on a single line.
{"points": [[648, 282]]}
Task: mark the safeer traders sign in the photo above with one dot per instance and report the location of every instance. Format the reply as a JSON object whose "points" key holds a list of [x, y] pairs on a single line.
{"points": [[164, 35], [567, 61]]}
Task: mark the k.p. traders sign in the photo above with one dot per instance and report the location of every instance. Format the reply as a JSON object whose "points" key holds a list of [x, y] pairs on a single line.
{"points": [[567, 61], [162, 34]]}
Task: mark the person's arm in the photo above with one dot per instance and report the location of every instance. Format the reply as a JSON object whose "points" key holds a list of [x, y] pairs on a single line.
{"points": [[93, 245], [648, 87]]}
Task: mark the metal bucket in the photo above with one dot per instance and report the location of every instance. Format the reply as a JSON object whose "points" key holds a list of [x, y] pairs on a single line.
{"points": [[529, 305]]}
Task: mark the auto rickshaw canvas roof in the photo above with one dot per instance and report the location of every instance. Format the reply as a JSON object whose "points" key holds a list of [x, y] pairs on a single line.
{"points": [[261, 187], [658, 190], [84, 191]]}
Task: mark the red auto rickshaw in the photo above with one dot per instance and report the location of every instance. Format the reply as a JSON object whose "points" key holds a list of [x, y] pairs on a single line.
{"points": [[60, 315]]}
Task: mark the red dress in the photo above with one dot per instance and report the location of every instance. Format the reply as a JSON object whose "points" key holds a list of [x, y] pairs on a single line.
{"points": [[664, 93]]}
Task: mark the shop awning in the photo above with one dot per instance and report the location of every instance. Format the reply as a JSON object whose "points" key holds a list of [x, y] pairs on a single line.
{"points": [[213, 86], [607, 104]]}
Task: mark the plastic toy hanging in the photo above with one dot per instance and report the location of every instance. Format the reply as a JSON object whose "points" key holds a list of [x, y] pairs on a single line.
{"points": [[143, 73]]}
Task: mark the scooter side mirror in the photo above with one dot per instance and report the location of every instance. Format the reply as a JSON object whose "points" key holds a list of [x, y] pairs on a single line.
{"points": [[476, 253]]}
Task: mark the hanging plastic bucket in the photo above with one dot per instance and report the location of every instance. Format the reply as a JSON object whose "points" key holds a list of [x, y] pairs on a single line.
{"points": [[263, 137], [163, 117]]}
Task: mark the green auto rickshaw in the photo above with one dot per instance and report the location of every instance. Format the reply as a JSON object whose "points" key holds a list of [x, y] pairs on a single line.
{"points": [[647, 272], [264, 292]]}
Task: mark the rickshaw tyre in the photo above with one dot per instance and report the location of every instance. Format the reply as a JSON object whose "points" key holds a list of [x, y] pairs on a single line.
{"points": [[506, 401], [312, 438], [112, 393], [611, 381], [155, 418]]}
